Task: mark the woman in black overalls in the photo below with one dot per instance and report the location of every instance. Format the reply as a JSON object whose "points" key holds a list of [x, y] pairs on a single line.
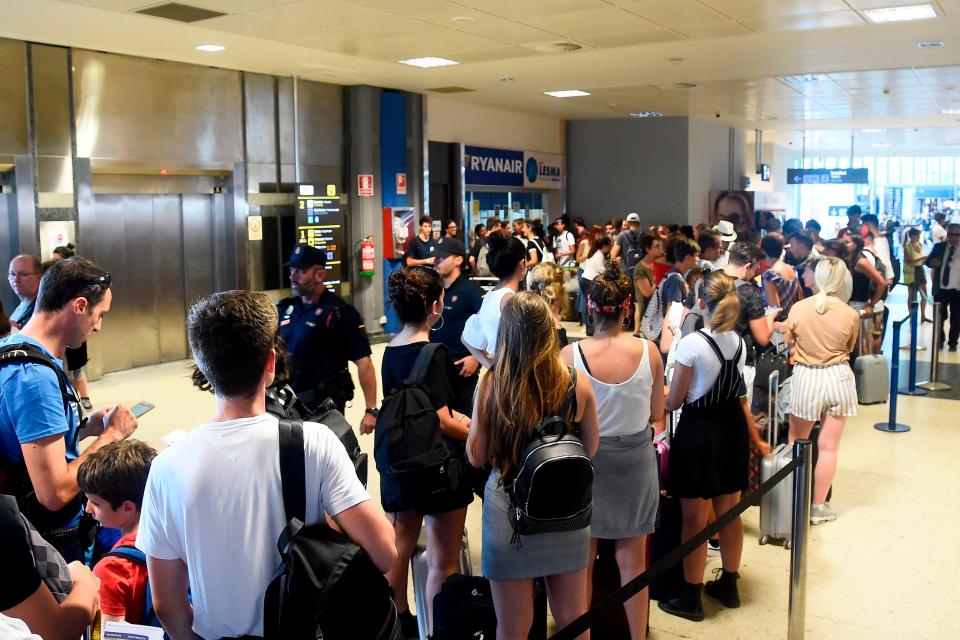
{"points": [[709, 453]]}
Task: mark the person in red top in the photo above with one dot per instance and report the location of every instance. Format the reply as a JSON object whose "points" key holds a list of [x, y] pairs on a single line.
{"points": [[113, 479]]}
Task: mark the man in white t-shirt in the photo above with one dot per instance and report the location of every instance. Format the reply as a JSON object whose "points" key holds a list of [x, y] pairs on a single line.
{"points": [[938, 232], [564, 244], [213, 506]]}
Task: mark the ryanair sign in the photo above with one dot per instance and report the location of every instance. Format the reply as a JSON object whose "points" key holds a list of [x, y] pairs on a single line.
{"points": [[488, 167]]}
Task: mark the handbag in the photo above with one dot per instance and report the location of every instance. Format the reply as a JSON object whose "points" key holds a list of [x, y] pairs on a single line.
{"points": [[773, 358]]}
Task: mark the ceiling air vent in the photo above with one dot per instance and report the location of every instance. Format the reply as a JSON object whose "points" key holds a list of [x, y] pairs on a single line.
{"points": [[450, 90], [180, 12], [557, 46]]}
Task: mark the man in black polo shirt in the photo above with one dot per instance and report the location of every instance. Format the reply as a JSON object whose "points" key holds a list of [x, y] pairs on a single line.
{"points": [[322, 333], [461, 300], [422, 248]]}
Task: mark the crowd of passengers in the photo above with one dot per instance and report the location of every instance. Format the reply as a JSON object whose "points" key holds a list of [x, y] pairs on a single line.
{"points": [[676, 318]]}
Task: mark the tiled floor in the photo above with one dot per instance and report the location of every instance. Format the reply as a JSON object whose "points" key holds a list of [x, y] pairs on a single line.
{"points": [[889, 567]]}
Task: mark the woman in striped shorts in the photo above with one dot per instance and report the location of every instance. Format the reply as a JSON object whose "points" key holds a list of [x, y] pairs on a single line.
{"points": [[823, 330]]}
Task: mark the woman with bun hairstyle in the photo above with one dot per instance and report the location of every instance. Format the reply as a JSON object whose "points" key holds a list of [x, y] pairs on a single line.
{"points": [[506, 258], [823, 331], [626, 375], [709, 455], [549, 281], [417, 295], [528, 383]]}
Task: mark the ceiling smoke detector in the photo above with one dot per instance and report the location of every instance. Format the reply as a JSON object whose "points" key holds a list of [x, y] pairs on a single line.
{"points": [[557, 46]]}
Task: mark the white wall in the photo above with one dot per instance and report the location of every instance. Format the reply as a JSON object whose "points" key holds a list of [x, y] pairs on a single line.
{"points": [[456, 121], [709, 165]]}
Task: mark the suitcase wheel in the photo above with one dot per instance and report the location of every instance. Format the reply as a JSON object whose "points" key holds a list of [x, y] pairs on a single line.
{"points": [[764, 539], [786, 544]]}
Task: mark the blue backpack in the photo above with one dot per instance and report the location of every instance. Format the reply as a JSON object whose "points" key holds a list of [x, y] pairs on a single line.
{"points": [[131, 553]]}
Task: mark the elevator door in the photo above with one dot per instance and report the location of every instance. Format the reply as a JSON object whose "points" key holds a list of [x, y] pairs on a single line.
{"points": [[158, 251]]}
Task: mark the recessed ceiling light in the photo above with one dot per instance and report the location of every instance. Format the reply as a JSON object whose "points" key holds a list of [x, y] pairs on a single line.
{"points": [[951, 112], [802, 79], [881, 145], [507, 79], [900, 14], [567, 93], [930, 44], [428, 62], [872, 130], [675, 60], [463, 19], [647, 114], [212, 48]]}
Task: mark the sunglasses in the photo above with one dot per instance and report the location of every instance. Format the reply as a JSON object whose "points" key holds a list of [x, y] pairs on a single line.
{"points": [[100, 281]]}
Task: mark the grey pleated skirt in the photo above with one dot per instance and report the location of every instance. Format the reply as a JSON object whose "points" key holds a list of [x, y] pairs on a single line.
{"points": [[626, 488], [543, 554]]}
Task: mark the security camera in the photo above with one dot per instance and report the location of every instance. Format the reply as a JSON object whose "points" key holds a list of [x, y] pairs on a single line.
{"points": [[716, 115]]}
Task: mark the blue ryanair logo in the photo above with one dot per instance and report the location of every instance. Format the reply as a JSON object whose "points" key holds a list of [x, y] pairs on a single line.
{"points": [[533, 169]]}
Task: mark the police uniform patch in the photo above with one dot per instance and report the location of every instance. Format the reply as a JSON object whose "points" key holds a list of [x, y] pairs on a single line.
{"points": [[285, 322], [453, 298]]}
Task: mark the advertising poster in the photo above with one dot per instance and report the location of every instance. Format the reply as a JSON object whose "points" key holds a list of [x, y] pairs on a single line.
{"points": [[735, 206]]}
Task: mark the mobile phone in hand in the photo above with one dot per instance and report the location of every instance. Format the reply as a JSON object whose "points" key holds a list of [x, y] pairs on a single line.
{"points": [[141, 408]]}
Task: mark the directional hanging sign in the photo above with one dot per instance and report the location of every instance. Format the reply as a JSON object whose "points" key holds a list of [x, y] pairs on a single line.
{"points": [[827, 176]]}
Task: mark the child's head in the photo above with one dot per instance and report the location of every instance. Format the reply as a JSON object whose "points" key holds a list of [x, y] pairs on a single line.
{"points": [[113, 479]]}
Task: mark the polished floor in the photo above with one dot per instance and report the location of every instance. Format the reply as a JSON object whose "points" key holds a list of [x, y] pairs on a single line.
{"points": [[889, 567]]}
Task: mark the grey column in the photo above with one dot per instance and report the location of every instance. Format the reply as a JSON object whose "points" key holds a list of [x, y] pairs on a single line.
{"points": [[362, 120], [24, 215], [417, 182], [86, 234]]}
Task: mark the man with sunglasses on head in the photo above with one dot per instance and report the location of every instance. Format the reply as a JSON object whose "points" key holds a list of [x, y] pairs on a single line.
{"points": [[41, 425], [944, 259], [322, 332]]}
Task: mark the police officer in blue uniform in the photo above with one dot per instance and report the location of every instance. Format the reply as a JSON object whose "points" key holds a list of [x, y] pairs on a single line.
{"points": [[322, 333]]}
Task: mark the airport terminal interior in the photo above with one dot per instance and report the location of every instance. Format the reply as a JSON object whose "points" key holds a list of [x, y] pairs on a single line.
{"points": [[195, 147]]}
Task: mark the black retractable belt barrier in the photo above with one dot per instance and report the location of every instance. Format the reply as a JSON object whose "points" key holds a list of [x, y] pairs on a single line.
{"points": [[638, 584]]}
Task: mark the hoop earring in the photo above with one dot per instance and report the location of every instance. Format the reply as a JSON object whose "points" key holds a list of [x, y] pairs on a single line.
{"points": [[441, 324]]}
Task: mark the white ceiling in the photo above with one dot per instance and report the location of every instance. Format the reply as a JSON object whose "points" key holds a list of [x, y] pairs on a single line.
{"points": [[634, 52]]}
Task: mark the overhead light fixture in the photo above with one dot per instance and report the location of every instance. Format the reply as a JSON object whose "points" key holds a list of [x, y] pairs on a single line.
{"points": [[901, 14], [801, 79], [647, 114], [210, 48], [567, 93], [881, 145], [930, 44], [873, 130], [428, 62], [463, 19], [951, 112]]}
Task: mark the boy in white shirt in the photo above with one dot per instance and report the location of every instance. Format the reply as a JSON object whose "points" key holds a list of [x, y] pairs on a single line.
{"points": [[564, 244], [213, 505]]}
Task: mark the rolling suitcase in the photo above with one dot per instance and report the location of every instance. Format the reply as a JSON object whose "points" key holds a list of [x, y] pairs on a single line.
{"points": [[870, 369], [606, 580], [420, 569], [668, 535], [776, 506]]}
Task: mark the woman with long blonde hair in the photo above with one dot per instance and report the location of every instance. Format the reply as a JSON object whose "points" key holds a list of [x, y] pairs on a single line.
{"points": [[527, 384], [549, 280], [823, 331], [709, 455]]}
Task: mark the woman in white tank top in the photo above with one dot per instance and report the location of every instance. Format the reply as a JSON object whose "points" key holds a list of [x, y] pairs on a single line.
{"points": [[627, 379]]}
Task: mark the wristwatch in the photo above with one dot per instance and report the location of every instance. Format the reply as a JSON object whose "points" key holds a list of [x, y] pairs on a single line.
{"points": [[374, 411]]}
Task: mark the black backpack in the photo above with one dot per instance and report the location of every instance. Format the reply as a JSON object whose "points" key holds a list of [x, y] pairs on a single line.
{"points": [[632, 254], [283, 403], [417, 467], [553, 484], [327, 587], [14, 479]]}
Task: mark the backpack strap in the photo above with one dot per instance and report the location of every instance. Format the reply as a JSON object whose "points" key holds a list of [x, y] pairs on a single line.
{"points": [[419, 372], [567, 413], [127, 552], [293, 469], [29, 354]]}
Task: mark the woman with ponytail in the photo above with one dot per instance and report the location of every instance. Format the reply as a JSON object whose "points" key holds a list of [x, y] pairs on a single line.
{"points": [[527, 384], [823, 331], [417, 295], [709, 455], [626, 375]]}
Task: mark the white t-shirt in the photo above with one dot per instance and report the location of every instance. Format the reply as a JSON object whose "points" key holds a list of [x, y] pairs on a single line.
{"points": [[15, 629], [480, 330], [594, 265], [561, 244], [938, 234], [214, 500], [695, 352], [881, 248]]}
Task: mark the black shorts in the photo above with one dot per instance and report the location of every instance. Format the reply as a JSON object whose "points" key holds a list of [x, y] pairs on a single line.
{"points": [[77, 358]]}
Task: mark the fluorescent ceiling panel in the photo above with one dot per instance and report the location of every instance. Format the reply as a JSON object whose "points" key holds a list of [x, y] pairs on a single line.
{"points": [[901, 14], [428, 62]]}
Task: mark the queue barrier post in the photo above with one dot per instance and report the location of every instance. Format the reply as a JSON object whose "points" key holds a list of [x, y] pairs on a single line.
{"points": [[800, 528], [911, 388], [891, 425], [933, 384]]}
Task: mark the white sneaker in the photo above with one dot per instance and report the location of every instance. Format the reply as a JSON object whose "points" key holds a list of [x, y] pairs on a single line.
{"points": [[713, 548], [820, 513]]}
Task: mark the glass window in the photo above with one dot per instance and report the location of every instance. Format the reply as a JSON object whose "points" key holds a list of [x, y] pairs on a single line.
{"points": [[947, 175], [907, 176], [830, 163], [868, 164], [818, 163], [882, 178], [857, 163], [893, 171], [807, 163]]}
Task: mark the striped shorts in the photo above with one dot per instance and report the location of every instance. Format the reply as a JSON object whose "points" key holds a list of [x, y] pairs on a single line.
{"points": [[829, 390]]}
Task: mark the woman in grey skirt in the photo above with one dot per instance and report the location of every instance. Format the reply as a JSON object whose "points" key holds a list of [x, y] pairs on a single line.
{"points": [[627, 379], [527, 384]]}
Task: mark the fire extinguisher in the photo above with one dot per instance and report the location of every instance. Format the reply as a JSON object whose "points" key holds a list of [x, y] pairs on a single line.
{"points": [[367, 257]]}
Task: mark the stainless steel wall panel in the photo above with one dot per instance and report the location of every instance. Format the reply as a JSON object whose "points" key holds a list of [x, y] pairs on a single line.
{"points": [[260, 111], [321, 124], [7, 206], [152, 111], [13, 98], [25, 215], [258, 173], [237, 210], [168, 275], [198, 256], [86, 238], [153, 184], [51, 99], [285, 117], [106, 244], [55, 175]]}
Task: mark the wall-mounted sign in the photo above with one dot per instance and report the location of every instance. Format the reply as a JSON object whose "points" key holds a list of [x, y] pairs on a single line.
{"points": [[332, 190], [486, 166], [254, 227], [320, 224], [769, 201], [827, 176], [365, 185], [401, 184], [837, 211]]}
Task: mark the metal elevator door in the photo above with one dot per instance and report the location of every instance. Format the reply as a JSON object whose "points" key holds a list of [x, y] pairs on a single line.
{"points": [[158, 250]]}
